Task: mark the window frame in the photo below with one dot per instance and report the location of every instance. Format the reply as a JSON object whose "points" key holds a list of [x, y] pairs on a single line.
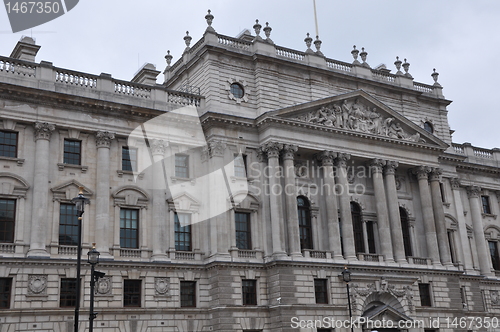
{"points": [[237, 90], [495, 256], [192, 294], [68, 225], [425, 291], [68, 293], [486, 204], [16, 146], [305, 224], [178, 168], [5, 292], [123, 239], [68, 154], [131, 161], [182, 230], [249, 292], [128, 296], [321, 290], [247, 233], [429, 127], [6, 222], [405, 228], [240, 170], [357, 228]]}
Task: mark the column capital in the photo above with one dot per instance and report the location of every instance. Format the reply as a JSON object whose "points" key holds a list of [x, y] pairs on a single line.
{"points": [[473, 191], [376, 165], [455, 183], [390, 167], [326, 158], [421, 172], [158, 146], [43, 130], [342, 158], [272, 149], [103, 139], [289, 151], [216, 148], [435, 174]]}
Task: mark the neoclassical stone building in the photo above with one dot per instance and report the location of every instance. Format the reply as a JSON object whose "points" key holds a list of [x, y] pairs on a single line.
{"points": [[231, 196]]}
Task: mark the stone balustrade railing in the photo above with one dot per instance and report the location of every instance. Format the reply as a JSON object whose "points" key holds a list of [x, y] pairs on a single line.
{"points": [[45, 76], [477, 154], [270, 49]]}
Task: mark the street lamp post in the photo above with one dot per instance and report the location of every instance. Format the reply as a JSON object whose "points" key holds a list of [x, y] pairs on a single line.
{"points": [[346, 275], [93, 259], [80, 202]]}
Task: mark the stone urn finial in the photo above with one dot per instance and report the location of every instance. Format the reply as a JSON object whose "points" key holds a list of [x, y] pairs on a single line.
{"points": [[355, 53], [267, 30], [406, 67], [257, 28], [308, 41], [435, 76], [398, 63], [168, 57], [210, 18], [187, 40], [317, 44], [363, 54]]}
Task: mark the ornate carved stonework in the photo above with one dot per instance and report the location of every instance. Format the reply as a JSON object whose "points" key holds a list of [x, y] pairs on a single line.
{"points": [[421, 172], [326, 158], [162, 286], [358, 117], [406, 292], [376, 165], [301, 169], [289, 151], [158, 146], [455, 183], [216, 148], [390, 167], [473, 191], [43, 130], [341, 160], [435, 174], [103, 286], [272, 149], [37, 285], [495, 299], [104, 138], [399, 182]]}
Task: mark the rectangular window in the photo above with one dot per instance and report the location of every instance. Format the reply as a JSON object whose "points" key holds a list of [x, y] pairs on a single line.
{"points": [[68, 225], [131, 293], [188, 293], [5, 290], [129, 159], [249, 291], [321, 290], [67, 295], [181, 166], [425, 295], [72, 152], [129, 228], [7, 219], [8, 144], [371, 237], [243, 233], [486, 204], [240, 162], [451, 243], [495, 258], [463, 296], [182, 232]]}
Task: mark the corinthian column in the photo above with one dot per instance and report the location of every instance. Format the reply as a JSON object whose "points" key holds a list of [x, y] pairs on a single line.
{"points": [[326, 158], [292, 216], [437, 207], [345, 206], [483, 254], [427, 213], [158, 187], [103, 142], [43, 132], [272, 149], [394, 216], [376, 166]]}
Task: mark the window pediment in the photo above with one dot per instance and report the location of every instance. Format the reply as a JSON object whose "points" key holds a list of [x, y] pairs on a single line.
{"points": [[69, 190], [13, 185]]}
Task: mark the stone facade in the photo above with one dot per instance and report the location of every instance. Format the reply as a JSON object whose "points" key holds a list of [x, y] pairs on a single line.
{"points": [[237, 207]]}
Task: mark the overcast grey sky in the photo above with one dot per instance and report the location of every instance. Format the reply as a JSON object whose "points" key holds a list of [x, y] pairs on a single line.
{"points": [[460, 38]]}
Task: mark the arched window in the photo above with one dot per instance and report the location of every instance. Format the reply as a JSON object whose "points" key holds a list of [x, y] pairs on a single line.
{"points": [[429, 127], [305, 229], [405, 227], [357, 225]]}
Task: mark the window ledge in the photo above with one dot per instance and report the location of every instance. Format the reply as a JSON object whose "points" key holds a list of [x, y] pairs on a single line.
{"points": [[175, 179], [121, 172], [19, 161], [239, 178], [61, 167], [494, 216], [446, 204]]}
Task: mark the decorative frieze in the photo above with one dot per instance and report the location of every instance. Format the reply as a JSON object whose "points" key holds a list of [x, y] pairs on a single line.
{"points": [[358, 117], [43, 130], [104, 138]]}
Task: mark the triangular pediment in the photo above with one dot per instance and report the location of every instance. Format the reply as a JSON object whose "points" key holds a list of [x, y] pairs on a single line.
{"points": [[384, 312], [70, 189], [358, 112]]}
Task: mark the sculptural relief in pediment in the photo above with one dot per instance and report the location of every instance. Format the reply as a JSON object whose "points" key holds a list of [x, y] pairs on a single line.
{"points": [[358, 116]]}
